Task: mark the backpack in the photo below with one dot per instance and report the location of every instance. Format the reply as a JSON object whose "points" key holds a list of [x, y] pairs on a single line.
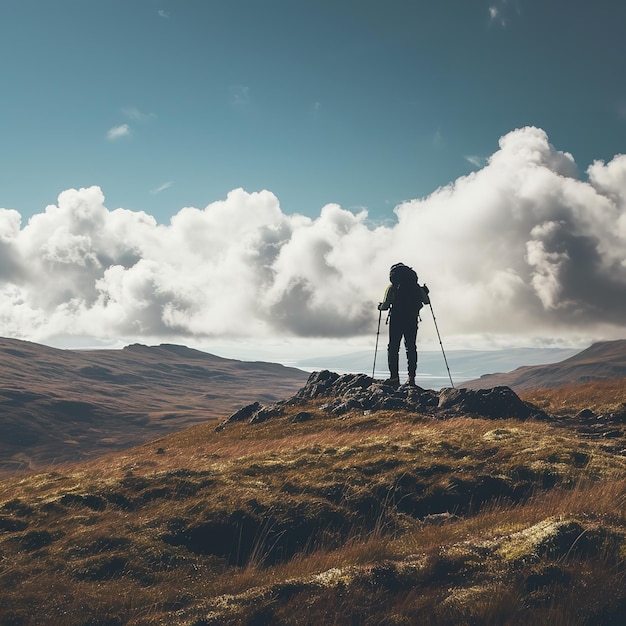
{"points": [[409, 296]]}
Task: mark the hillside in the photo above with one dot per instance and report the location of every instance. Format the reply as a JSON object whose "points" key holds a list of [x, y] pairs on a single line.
{"points": [[63, 405], [349, 503], [602, 361]]}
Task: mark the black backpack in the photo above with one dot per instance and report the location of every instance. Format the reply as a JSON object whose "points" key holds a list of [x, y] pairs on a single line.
{"points": [[408, 296]]}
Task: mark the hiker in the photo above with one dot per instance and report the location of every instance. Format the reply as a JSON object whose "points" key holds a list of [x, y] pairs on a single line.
{"points": [[405, 297]]}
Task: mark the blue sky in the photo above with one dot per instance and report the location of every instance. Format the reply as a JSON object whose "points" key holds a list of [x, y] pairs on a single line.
{"points": [[246, 171], [359, 102]]}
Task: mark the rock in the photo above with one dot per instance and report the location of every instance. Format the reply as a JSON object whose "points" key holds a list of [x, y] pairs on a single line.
{"points": [[317, 385], [241, 415], [359, 392], [265, 413], [302, 416], [437, 519], [245, 413], [499, 402], [393, 403]]}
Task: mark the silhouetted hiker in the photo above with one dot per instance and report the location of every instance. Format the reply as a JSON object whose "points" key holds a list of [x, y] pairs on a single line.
{"points": [[405, 296]]}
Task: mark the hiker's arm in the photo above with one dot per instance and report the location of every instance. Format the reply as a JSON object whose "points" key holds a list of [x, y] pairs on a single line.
{"points": [[384, 305]]}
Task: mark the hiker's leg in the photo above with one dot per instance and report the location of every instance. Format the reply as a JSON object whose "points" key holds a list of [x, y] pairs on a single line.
{"points": [[410, 343], [393, 348]]}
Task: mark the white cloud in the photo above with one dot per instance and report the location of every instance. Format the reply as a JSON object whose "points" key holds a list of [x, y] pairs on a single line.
{"points": [[116, 132], [493, 13], [500, 13], [162, 187], [474, 160], [521, 248], [163, 13]]}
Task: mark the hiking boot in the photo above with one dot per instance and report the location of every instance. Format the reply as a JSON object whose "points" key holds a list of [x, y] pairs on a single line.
{"points": [[392, 382]]}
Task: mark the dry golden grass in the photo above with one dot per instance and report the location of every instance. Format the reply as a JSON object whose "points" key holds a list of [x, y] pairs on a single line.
{"points": [[599, 396], [387, 518]]}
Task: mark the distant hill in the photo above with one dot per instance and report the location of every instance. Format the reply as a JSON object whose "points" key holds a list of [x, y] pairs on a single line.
{"points": [[605, 360], [63, 405]]}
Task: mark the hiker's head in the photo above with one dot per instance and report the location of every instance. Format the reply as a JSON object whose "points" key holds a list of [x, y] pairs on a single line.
{"points": [[393, 272]]}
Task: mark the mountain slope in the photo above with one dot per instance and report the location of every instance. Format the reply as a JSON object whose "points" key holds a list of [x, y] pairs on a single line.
{"points": [[61, 405], [602, 361]]}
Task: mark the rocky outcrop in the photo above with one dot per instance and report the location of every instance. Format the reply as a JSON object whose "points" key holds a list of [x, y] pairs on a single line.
{"points": [[361, 392], [343, 393], [492, 403]]}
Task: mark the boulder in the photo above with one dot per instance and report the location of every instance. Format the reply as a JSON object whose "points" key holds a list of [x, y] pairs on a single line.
{"points": [[242, 415], [499, 402]]}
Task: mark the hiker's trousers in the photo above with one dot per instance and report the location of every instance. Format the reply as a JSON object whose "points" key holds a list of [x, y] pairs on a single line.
{"points": [[402, 326]]}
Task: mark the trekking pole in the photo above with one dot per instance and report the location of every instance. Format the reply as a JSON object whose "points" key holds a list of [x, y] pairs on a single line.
{"points": [[441, 344], [376, 349]]}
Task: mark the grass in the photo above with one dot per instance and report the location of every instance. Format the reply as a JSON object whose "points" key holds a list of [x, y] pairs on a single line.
{"points": [[386, 518], [599, 396]]}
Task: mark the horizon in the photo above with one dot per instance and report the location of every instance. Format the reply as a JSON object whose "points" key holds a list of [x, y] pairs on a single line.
{"points": [[241, 176], [433, 370]]}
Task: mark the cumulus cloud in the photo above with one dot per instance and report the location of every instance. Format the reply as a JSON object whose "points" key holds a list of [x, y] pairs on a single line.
{"points": [[118, 131], [523, 247]]}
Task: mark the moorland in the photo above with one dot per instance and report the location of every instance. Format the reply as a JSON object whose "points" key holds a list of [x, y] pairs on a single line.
{"points": [[68, 405], [314, 515]]}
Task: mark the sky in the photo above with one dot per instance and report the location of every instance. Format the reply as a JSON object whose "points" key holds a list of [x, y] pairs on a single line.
{"points": [[239, 175]]}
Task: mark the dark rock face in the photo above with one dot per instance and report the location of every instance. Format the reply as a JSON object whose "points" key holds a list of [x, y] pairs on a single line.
{"points": [[244, 414], [359, 392], [325, 383], [499, 402]]}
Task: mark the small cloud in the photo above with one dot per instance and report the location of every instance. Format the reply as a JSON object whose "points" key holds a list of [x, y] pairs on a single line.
{"points": [[496, 17], [315, 109], [163, 13], [239, 96], [162, 187], [116, 132], [476, 161], [438, 139], [500, 12]]}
